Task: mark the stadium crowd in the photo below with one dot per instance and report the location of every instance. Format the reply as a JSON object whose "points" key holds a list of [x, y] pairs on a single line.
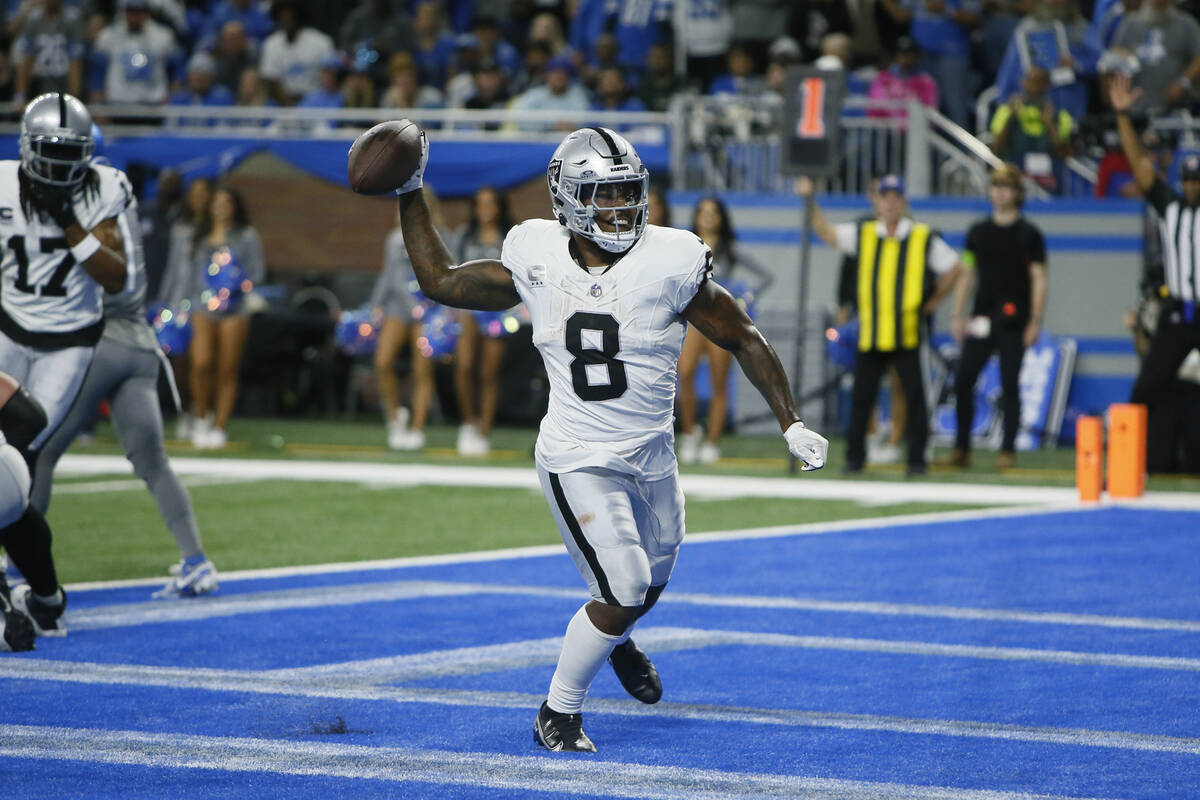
{"points": [[1042, 63]]}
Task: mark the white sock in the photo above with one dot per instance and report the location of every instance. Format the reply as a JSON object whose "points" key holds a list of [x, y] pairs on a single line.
{"points": [[584, 651]]}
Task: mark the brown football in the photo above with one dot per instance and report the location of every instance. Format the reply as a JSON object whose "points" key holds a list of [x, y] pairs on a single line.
{"points": [[384, 157]]}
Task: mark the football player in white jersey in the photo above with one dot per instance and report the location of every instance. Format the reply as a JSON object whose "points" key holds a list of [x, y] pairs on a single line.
{"points": [[60, 249], [610, 298]]}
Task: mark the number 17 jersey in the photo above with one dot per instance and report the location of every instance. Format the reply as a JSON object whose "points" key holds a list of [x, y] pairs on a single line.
{"points": [[610, 343], [47, 299]]}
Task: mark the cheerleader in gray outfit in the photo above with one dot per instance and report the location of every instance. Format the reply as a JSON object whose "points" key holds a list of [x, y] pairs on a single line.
{"points": [[220, 323], [393, 300], [711, 223], [124, 371]]}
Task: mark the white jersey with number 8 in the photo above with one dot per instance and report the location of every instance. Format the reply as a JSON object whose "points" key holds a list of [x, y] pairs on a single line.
{"points": [[44, 291], [610, 343]]}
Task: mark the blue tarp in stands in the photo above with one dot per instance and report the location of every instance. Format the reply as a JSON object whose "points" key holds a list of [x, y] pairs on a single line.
{"points": [[456, 168]]}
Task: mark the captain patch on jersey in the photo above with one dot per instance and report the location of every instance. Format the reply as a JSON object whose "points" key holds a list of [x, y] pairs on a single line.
{"points": [[610, 339], [44, 290]]}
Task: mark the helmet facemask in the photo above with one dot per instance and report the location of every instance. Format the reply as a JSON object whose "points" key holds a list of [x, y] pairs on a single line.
{"points": [[610, 213], [57, 160]]}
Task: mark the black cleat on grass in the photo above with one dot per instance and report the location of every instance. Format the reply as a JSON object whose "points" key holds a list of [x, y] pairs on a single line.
{"points": [[561, 732], [636, 672]]}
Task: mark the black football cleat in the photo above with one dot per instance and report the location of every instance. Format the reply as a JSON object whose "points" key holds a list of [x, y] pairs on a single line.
{"points": [[47, 619], [636, 672], [561, 732], [16, 630]]}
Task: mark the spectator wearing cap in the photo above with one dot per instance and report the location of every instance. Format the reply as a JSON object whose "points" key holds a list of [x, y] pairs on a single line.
{"points": [[372, 32], [659, 83], [232, 53], [49, 52], [256, 21], [434, 47], [292, 56], [135, 55], [1166, 42], [904, 271], [1031, 132], [1005, 258], [741, 78], [903, 80], [404, 86], [560, 92], [783, 53], [201, 89], [942, 29]]}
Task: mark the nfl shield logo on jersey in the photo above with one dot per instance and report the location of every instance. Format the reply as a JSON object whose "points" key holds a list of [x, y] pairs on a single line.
{"points": [[596, 291]]}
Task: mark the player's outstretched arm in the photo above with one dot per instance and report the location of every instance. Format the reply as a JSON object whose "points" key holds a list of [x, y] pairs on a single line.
{"points": [[718, 316], [483, 285]]}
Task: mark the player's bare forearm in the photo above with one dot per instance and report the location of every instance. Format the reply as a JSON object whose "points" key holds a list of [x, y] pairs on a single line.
{"points": [[1143, 172], [481, 285], [107, 265], [722, 321]]}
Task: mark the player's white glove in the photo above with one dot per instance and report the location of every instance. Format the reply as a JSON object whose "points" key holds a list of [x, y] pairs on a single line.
{"points": [[809, 447], [415, 182]]}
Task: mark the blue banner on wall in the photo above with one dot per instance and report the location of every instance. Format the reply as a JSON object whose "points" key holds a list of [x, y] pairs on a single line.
{"points": [[456, 168], [1045, 378]]}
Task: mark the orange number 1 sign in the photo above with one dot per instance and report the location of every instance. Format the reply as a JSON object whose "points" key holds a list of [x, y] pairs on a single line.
{"points": [[812, 109]]}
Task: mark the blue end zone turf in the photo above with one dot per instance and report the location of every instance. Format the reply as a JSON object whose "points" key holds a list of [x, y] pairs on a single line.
{"points": [[1056, 654]]}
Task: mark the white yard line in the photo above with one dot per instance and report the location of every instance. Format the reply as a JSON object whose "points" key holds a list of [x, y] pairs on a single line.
{"points": [[159, 611], [102, 487], [286, 683], [563, 776], [719, 486], [537, 551]]}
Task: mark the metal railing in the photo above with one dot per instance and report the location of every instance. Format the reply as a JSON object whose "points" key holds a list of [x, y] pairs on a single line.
{"points": [[724, 143]]}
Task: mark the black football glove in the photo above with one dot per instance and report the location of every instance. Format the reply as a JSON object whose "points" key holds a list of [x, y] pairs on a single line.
{"points": [[56, 201]]}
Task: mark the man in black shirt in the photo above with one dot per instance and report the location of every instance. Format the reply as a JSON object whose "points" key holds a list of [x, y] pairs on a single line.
{"points": [[1006, 260], [1178, 330]]}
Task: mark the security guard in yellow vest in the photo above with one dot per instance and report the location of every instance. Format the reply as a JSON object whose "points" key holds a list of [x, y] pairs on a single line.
{"points": [[904, 271]]}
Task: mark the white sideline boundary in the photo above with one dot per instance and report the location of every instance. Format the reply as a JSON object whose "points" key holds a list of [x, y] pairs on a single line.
{"points": [[536, 551], [711, 486]]}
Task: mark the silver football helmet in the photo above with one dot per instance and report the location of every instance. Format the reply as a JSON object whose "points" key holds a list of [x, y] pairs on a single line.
{"points": [[599, 188], [56, 139]]}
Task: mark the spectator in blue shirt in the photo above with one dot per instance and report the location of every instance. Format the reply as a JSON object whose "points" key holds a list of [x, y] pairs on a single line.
{"points": [[941, 28], [1055, 38], [741, 78], [434, 45], [328, 93], [202, 88], [254, 18], [493, 47]]}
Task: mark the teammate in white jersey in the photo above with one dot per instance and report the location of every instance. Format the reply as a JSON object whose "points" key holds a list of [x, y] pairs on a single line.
{"points": [[60, 249], [610, 298]]}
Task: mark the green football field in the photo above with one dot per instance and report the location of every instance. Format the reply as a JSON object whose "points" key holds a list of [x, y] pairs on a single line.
{"points": [[107, 526]]}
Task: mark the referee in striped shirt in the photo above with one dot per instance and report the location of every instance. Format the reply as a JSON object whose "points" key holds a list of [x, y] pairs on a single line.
{"points": [[1178, 330]]}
